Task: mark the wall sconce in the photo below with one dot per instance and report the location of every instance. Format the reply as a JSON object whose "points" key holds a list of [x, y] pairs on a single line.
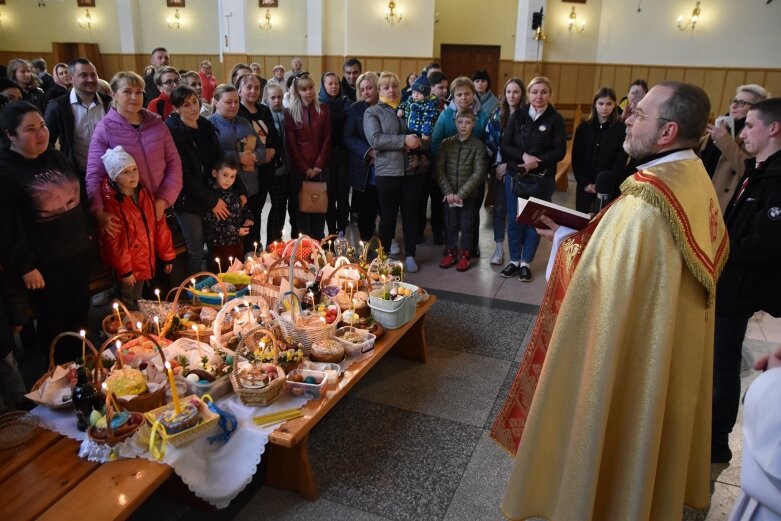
{"points": [[265, 22], [573, 22], [393, 15], [85, 22], [174, 23], [682, 26], [539, 35]]}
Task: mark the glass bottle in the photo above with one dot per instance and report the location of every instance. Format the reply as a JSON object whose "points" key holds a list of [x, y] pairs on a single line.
{"points": [[85, 399]]}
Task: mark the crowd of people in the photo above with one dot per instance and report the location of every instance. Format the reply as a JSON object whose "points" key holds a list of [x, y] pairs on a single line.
{"points": [[81, 170]]}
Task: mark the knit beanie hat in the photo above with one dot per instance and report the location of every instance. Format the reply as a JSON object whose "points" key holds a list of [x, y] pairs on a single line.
{"points": [[422, 85], [115, 160]]}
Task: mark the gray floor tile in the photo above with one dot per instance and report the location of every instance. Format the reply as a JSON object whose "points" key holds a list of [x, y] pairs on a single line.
{"points": [[502, 396], [478, 330], [722, 502], [483, 485], [277, 505], [390, 462], [453, 385]]}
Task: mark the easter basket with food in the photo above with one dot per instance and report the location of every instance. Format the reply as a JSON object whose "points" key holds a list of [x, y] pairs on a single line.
{"points": [[192, 320], [215, 290], [182, 421], [55, 388], [116, 425], [257, 383], [122, 319], [281, 277], [241, 315], [205, 368], [139, 390], [349, 285], [306, 326]]}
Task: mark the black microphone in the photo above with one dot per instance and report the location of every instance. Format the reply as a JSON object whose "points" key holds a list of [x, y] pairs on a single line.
{"points": [[604, 187]]}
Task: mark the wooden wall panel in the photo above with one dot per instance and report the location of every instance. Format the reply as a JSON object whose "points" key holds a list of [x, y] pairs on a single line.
{"points": [[623, 77], [655, 75], [694, 76], [373, 64], [553, 72], [773, 83], [675, 74], [407, 66], [567, 89], [755, 76], [585, 90], [713, 84]]}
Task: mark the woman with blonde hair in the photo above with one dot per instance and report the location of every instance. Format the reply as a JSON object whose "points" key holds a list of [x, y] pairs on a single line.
{"points": [[533, 142], [308, 137], [399, 185], [19, 71], [144, 136]]}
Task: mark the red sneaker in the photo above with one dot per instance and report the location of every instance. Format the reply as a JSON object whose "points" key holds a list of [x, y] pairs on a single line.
{"points": [[449, 259], [464, 261]]}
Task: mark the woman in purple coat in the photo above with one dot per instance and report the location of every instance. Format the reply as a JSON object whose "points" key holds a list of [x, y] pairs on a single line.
{"points": [[144, 136]]}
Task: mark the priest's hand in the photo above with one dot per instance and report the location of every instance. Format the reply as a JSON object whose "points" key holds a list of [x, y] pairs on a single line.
{"points": [[769, 361], [550, 231]]}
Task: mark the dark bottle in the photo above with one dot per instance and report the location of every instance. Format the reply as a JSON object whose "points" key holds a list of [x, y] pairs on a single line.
{"points": [[85, 398], [312, 295]]}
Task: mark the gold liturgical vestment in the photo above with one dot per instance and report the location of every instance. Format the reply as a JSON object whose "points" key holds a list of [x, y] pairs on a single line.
{"points": [[615, 424]]}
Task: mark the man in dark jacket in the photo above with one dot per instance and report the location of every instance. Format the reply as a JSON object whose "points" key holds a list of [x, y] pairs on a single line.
{"points": [[751, 280], [72, 118], [159, 60], [351, 69]]}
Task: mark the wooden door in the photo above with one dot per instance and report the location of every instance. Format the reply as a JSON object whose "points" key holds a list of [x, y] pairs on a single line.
{"points": [[464, 60], [67, 51]]}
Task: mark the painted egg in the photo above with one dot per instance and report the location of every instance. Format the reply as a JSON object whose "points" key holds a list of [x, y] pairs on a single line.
{"points": [[193, 378]]}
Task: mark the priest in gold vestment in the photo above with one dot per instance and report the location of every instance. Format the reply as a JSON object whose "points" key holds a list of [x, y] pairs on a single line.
{"points": [[609, 415]]}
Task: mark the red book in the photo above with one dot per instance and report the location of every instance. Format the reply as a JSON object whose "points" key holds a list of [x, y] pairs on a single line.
{"points": [[530, 210]]}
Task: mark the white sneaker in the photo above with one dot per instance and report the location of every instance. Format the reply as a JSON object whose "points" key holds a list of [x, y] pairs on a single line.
{"points": [[411, 265], [394, 249], [497, 258]]}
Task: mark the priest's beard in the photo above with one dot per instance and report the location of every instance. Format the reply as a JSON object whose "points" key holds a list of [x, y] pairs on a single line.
{"points": [[638, 146]]}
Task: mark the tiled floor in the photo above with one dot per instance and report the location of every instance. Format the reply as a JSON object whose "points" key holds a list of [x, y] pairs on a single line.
{"points": [[411, 441]]}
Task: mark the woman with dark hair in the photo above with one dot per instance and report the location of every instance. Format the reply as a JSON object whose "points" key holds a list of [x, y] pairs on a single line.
{"points": [[250, 89], [239, 139], [308, 127], [598, 147], [10, 89], [361, 157], [19, 71], [238, 70], [406, 92], [488, 101], [533, 142], [199, 149], [62, 82], [54, 245], [512, 98], [338, 189]]}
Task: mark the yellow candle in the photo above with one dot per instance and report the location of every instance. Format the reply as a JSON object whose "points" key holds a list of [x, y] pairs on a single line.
{"points": [[157, 324], [222, 298], [197, 339], [139, 326], [249, 312], [118, 345], [157, 293], [256, 249], [119, 317], [230, 261], [219, 267], [174, 393], [83, 335], [192, 282], [110, 399]]}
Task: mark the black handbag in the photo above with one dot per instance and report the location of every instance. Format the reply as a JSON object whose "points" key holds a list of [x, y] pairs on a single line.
{"points": [[525, 184]]}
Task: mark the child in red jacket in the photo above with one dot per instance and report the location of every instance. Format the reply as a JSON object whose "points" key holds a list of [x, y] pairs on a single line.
{"points": [[133, 251]]}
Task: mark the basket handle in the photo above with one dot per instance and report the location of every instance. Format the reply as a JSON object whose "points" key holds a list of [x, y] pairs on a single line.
{"points": [[128, 314], [362, 272], [228, 307], [97, 370], [132, 334], [187, 280], [243, 345]]}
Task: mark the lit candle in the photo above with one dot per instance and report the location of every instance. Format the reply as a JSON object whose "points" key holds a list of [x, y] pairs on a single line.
{"points": [[197, 336], [157, 324], [322, 320], [157, 294], [118, 345], [138, 326], [350, 284], [174, 393], [222, 298], [249, 312], [213, 340], [230, 261], [192, 282], [219, 267], [256, 249], [329, 246], [275, 247], [119, 317], [83, 335]]}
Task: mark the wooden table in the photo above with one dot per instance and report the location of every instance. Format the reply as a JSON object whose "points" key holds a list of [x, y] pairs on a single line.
{"points": [[46, 479], [287, 458]]}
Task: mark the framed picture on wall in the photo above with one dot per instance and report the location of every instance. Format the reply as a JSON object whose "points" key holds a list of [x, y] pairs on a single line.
{"points": [[175, 3], [574, 1], [268, 3], [84, 3]]}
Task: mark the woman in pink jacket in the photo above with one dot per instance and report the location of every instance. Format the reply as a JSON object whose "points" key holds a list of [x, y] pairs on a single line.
{"points": [[144, 136]]}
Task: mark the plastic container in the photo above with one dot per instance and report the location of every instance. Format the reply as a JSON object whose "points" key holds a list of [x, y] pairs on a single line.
{"points": [[332, 371], [216, 389], [397, 318], [365, 345], [304, 390], [377, 302]]}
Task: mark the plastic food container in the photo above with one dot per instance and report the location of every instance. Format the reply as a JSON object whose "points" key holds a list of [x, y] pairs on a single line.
{"points": [[363, 345], [332, 371], [304, 390]]}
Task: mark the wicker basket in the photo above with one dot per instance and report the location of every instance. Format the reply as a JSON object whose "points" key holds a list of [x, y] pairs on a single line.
{"points": [[135, 317], [268, 284], [306, 335], [208, 420], [148, 400], [265, 395], [16, 427], [109, 436], [169, 329], [219, 333], [96, 374]]}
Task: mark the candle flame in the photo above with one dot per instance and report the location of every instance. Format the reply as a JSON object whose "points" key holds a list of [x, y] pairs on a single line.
{"points": [[157, 292], [167, 366], [118, 344], [82, 333], [156, 319], [115, 306], [195, 327], [138, 326]]}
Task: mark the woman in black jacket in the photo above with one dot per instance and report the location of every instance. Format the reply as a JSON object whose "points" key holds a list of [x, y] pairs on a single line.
{"points": [[533, 141], [54, 246], [250, 89], [598, 147], [338, 189], [199, 149]]}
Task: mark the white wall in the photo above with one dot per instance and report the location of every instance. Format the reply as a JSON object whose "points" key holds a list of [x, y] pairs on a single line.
{"points": [[198, 34], [369, 34], [730, 33], [564, 45], [288, 34], [486, 22], [334, 28]]}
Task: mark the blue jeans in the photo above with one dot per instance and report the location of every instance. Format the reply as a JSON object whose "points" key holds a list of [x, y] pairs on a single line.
{"points": [[191, 225], [522, 239]]}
